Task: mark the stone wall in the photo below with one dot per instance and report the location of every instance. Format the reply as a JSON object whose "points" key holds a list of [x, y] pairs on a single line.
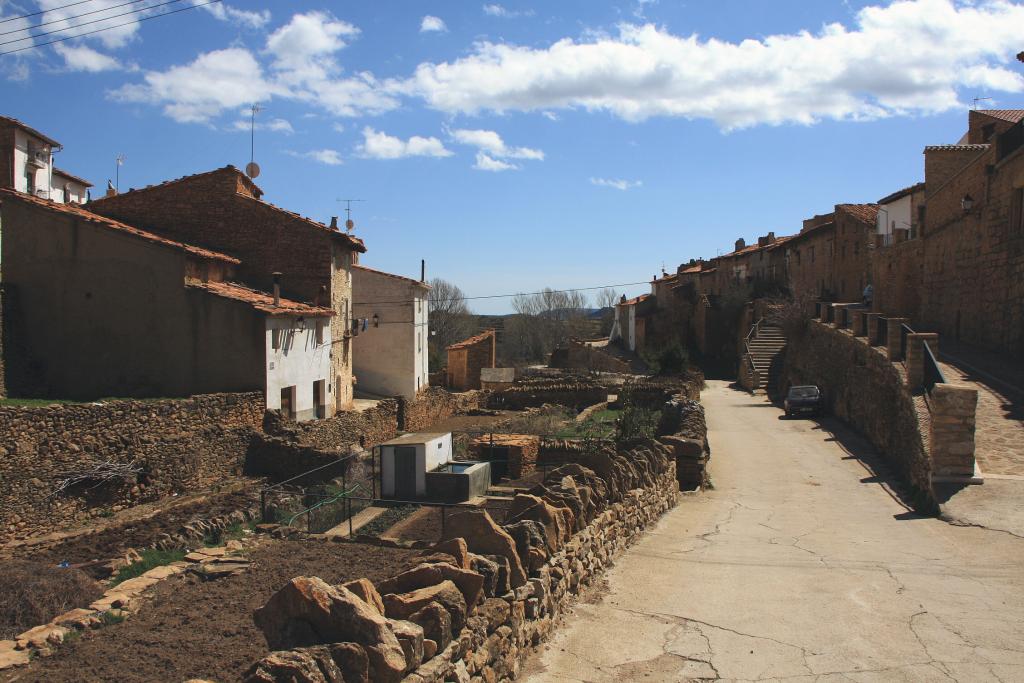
{"points": [[531, 395], [179, 445], [579, 355], [364, 428], [433, 405], [861, 387], [896, 278]]}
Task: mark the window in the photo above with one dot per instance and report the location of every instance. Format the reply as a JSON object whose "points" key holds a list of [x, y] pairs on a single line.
{"points": [[319, 332], [812, 254], [275, 338], [856, 248], [30, 180], [288, 402], [320, 399]]}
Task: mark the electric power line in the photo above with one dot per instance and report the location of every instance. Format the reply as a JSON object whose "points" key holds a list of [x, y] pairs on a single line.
{"points": [[43, 11], [505, 296], [87, 23], [108, 28], [77, 16]]}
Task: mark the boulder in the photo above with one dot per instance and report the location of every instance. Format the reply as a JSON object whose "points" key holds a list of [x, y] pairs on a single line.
{"points": [[351, 658], [404, 605], [429, 648], [420, 576], [307, 611], [294, 666], [364, 589], [530, 542], [496, 611], [456, 547], [527, 507], [410, 635], [484, 537], [502, 585], [436, 623], [488, 570]]}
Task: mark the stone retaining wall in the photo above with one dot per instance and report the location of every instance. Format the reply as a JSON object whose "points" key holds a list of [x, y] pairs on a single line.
{"points": [[864, 389], [179, 445], [493, 648], [434, 405], [573, 395]]}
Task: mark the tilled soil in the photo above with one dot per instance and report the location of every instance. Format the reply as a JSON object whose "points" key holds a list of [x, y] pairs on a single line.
{"points": [[197, 629], [114, 539]]}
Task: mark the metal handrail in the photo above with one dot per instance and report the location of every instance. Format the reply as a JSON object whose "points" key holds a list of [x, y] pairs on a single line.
{"points": [[281, 484], [932, 372], [327, 501]]}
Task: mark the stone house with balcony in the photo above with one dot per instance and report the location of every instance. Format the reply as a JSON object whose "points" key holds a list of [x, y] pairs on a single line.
{"points": [[104, 308], [390, 347], [223, 210]]}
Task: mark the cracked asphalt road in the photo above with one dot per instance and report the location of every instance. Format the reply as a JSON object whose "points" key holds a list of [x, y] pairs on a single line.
{"points": [[800, 565]]}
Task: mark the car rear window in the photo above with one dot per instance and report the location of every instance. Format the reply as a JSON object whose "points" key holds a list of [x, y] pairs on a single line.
{"points": [[803, 392]]}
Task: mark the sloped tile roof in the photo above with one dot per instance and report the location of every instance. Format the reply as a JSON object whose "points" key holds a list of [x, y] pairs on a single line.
{"points": [[261, 301], [359, 266], [1011, 115], [867, 213], [635, 300], [473, 340], [28, 129], [899, 194], [72, 176], [956, 148], [88, 216]]}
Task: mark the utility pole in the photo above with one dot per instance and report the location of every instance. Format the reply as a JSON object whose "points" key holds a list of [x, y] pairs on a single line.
{"points": [[256, 108]]}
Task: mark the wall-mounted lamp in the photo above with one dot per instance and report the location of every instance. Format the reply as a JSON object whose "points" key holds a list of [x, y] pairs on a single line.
{"points": [[967, 203], [376, 320], [300, 322]]}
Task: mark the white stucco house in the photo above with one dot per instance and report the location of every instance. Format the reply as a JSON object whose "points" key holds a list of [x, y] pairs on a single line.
{"points": [[299, 366], [897, 217], [27, 155], [389, 349]]}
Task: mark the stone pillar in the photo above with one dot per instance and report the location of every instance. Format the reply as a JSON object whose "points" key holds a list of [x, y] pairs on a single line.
{"points": [[857, 322], [952, 410], [892, 345], [872, 327], [915, 356]]}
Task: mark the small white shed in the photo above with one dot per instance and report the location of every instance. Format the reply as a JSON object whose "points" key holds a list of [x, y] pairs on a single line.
{"points": [[405, 461]]}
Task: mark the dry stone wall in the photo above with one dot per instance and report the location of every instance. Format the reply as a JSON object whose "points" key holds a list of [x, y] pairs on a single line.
{"points": [[178, 445], [861, 387]]}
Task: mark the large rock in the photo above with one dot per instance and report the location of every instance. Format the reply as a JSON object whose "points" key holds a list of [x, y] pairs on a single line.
{"points": [[337, 663], [436, 623], [484, 537], [469, 583], [404, 605], [308, 611], [410, 635], [527, 507], [367, 593], [456, 547], [530, 543], [488, 570], [502, 585]]}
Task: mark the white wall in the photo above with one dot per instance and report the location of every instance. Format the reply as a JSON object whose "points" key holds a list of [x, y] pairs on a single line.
{"points": [[299, 362], [896, 215], [430, 455], [75, 194], [42, 175], [389, 360]]}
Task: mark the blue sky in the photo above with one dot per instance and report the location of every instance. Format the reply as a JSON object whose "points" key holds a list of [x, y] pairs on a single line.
{"points": [[526, 144]]}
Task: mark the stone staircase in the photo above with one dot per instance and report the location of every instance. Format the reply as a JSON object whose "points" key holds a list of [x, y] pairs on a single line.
{"points": [[765, 345]]}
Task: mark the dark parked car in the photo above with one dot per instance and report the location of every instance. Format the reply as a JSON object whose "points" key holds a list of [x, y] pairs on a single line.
{"points": [[803, 399]]}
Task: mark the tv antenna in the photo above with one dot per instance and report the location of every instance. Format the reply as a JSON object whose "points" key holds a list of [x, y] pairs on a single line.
{"points": [[979, 99], [118, 163], [349, 224], [252, 169]]}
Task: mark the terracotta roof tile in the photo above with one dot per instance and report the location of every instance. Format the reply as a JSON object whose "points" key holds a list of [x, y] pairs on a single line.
{"points": [[472, 340], [635, 300], [410, 280], [955, 148], [261, 301], [83, 214], [867, 213], [1011, 115], [72, 176], [29, 129]]}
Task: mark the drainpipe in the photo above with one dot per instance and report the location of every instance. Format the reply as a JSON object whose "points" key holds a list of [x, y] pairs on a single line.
{"points": [[277, 287]]}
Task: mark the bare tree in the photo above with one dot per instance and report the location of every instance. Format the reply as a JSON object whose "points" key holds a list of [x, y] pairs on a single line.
{"points": [[606, 301], [450, 319], [543, 321]]}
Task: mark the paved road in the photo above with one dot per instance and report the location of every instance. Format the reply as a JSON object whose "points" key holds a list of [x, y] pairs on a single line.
{"points": [[800, 565]]}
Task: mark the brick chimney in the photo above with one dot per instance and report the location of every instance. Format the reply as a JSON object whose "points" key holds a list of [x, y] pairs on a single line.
{"points": [[740, 244], [334, 222], [277, 287]]}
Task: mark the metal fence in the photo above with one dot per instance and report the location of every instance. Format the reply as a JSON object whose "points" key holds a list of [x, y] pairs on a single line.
{"points": [[882, 334]]}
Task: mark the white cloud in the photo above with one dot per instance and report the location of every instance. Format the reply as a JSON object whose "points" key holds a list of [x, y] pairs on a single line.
{"points": [[484, 162], [273, 125], [302, 67], [84, 58], [494, 10], [329, 157], [490, 142], [905, 58], [616, 183], [244, 18], [195, 92], [431, 23], [338, 127], [379, 145]]}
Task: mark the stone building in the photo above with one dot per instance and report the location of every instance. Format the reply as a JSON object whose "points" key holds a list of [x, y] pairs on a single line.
{"points": [[26, 164], [390, 352], [223, 210], [103, 308], [629, 326], [855, 226], [466, 358], [809, 254]]}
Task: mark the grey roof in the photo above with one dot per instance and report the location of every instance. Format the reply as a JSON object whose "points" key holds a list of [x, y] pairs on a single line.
{"points": [[415, 438]]}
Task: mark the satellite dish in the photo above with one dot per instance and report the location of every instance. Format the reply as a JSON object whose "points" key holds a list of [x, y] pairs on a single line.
{"points": [[252, 169]]}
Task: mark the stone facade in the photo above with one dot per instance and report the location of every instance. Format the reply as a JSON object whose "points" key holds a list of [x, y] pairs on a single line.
{"points": [[179, 446], [579, 354], [222, 210], [466, 358], [951, 436]]}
